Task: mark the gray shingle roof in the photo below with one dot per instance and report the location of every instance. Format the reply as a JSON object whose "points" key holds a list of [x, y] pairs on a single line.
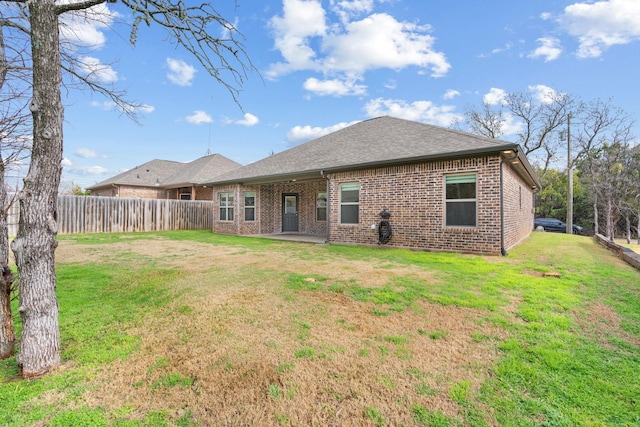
{"points": [[146, 175], [202, 169], [170, 174], [375, 142]]}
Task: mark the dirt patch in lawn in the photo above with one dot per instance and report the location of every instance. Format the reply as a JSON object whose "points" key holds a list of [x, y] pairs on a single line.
{"points": [[241, 347], [601, 322]]}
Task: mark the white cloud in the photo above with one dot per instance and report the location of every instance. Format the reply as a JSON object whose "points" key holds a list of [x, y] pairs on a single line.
{"points": [[299, 134], [88, 170], [422, 111], [334, 87], [180, 73], [199, 117], [391, 84], [380, 41], [110, 105], [450, 94], [543, 94], [301, 21], [96, 71], [83, 28], [601, 24], [86, 153], [549, 49], [248, 120], [511, 125], [346, 50], [66, 163], [349, 9], [495, 96]]}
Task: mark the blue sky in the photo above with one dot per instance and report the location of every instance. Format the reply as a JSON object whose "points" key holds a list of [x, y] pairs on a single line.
{"points": [[326, 64]]}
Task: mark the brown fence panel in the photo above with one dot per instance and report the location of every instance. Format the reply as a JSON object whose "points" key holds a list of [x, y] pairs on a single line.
{"points": [[82, 214]]}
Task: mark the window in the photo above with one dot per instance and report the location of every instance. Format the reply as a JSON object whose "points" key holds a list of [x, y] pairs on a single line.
{"points": [[321, 207], [250, 206], [226, 206], [460, 200], [349, 203]]}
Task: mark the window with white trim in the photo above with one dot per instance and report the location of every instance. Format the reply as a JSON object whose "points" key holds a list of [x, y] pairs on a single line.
{"points": [[249, 206], [226, 206], [460, 200], [321, 206], [349, 203]]}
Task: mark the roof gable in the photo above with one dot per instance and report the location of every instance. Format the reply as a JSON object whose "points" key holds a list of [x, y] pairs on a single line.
{"points": [[167, 173], [147, 175], [202, 169]]}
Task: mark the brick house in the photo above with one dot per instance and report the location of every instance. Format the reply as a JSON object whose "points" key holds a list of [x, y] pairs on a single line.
{"points": [[165, 179], [445, 190]]}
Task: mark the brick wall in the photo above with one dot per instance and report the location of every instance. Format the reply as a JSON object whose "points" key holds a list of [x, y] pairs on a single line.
{"points": [[414, 195], [105, 192], [518, 208], [131, 192], [204, 193]]}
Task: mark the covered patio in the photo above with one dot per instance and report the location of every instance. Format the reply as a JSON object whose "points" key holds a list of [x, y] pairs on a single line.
{"points": [[295, 237]]}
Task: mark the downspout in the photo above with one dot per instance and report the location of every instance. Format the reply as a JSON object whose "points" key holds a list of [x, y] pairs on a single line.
{"points": [[503, 251], [328, 219]]}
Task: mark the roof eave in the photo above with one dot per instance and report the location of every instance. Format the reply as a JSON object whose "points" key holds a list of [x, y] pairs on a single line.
{"points": [[318, 172]]}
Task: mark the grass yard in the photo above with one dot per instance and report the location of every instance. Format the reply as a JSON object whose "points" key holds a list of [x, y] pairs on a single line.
{"points": [[195, 329]]}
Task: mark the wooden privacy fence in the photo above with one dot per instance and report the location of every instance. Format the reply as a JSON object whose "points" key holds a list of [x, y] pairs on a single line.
{"points": [[85, 214]]}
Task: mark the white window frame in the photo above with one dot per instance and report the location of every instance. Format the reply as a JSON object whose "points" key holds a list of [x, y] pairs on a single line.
{"points": [[250, 207], [349, 186], [459, 179], [226, 206]]}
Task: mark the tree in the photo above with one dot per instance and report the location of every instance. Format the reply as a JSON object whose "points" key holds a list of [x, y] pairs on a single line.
{"points": [[631, 198], [536, 121], [189, 27], [551, 200], [14, 123], [607, 169]]}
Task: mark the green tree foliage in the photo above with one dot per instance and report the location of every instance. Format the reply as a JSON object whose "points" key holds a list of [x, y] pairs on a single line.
{"points": [[551, 200]]}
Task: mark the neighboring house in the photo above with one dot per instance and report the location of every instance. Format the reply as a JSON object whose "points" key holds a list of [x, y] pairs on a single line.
{"points": [[445, 190], [164, 179]]}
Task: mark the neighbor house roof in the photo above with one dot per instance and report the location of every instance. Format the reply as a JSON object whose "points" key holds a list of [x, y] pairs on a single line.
{"points": [[170, 174], [202, 169], [373, 143], [149, 174]]}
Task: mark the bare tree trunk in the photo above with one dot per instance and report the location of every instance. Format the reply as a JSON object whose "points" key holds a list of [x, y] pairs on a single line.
{"points": [[35, 243], [7, 332], [596, 227], [627, 221], [609, 219]]}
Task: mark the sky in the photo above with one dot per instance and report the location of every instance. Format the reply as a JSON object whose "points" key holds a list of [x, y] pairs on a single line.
{"points": [[321, 65]]}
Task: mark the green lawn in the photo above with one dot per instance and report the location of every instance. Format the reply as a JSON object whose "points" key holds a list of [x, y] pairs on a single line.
{"points": [[194, 329]]}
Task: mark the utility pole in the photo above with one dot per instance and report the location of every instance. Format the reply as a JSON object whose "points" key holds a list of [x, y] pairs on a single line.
{"points": [[569, 179]]}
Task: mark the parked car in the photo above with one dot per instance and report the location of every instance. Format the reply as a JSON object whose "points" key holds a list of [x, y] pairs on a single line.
{"points": [[555, 225]]}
